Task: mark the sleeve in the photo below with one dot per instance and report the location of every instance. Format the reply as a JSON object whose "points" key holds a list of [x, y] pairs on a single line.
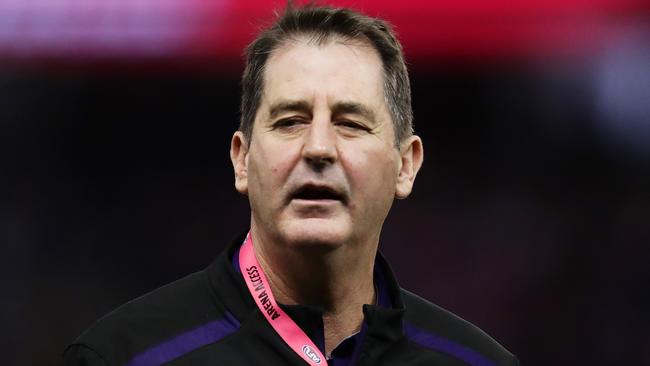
{"points": [[81, 355]]}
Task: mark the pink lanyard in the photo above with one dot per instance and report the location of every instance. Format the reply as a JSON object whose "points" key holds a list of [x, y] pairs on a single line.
{"points": [[260, 290]]}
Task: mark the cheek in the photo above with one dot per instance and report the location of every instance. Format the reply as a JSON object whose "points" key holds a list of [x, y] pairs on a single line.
{"points": [[269, 165], [371, 171]]}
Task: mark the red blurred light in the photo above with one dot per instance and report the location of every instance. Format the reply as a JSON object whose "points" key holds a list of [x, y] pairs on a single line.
{"points": [[217, 31]]}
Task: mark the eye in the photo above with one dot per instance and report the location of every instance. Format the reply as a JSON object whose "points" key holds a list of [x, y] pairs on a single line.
{"points": [[288, 123], [351, 125]]}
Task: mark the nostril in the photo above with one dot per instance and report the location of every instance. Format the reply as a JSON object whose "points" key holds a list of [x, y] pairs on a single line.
{"points": [[319, 162], [320, 159]]}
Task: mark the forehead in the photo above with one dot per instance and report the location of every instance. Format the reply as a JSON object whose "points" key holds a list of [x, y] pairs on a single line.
{"points": [[337, 70]]}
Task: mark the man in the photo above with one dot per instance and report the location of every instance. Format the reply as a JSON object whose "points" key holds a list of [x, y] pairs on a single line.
{"points": [[324, 146]]}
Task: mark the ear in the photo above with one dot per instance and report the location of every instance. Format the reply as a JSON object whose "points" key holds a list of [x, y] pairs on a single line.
{"points": [[412, 154], [238, 156]]}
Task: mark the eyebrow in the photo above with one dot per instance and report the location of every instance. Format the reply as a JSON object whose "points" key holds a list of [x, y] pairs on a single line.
{"points": [[353, 108], [289, 106], [337, 109]]}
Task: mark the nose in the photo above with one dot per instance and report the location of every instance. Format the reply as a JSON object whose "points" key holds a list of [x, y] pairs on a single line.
{"points": [[320, 150]]}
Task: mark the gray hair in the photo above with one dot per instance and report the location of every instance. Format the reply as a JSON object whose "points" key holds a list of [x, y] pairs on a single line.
{"points": [[320, 24]]}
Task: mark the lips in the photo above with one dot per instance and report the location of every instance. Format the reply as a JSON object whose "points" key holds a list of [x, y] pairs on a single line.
{"points": [[317, 193]]}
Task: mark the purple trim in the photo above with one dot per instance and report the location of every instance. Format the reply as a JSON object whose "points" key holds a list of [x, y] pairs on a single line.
{"points": [[235, 260], [360, 337], [186, 342], [444, 345]]}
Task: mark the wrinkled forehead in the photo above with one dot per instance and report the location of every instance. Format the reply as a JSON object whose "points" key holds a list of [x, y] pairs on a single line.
{"points": [[359, 48], [337, 69]]}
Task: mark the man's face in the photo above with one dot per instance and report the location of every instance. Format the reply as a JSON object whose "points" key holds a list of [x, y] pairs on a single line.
{"points": [[322, 167]]}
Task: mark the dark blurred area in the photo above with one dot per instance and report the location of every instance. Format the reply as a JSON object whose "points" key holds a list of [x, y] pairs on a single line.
{"points": [[529, 218]]}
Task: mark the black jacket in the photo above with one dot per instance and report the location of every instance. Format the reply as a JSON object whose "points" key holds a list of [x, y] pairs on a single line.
{"points": [[209, 318]]}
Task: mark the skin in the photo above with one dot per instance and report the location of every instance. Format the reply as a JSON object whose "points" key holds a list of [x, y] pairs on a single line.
{"points": [[323, 123]]}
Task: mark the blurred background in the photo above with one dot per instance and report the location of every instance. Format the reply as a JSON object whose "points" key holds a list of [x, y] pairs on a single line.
{"points": [[529, 218]]}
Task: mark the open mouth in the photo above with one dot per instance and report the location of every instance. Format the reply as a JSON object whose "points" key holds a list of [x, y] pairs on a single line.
{"points": [[317, 193]]}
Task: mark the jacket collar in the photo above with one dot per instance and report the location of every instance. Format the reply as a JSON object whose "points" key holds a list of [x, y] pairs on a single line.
{"points": [[382, 322]]}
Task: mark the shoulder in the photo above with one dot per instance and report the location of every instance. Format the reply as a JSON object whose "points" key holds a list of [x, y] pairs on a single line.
{"points": [[166, 307], [439, 330], [150, 320]]}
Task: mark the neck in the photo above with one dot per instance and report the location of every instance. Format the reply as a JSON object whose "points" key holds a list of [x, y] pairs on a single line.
{"points": [[338, 280]]}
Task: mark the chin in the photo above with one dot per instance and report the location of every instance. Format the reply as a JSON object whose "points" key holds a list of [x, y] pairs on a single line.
{"points": [[315, 233]]}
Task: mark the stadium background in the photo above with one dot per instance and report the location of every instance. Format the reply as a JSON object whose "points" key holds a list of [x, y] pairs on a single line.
{"points": [[529, 218]]}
